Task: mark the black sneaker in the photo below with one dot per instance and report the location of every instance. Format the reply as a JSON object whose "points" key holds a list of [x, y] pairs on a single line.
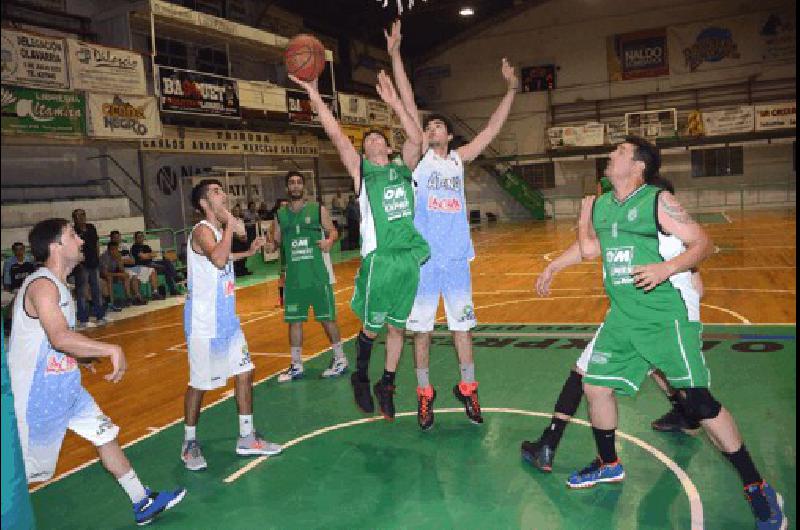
{"points": [[469, 397], [425, 399], [385, 395], [676, 421], [158, 296], [362, 394], [538, 454]]}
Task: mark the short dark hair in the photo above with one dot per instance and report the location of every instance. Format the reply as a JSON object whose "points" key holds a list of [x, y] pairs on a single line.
{"points": [[114, 232], [648, 153], [438, 117], [137, 233], [660, 182], [200, 191], [293, 173], [43, 234], [373, 131], [17, 244]]}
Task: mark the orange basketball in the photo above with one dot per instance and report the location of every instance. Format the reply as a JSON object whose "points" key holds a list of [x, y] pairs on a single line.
{"points": [[305, 57]]}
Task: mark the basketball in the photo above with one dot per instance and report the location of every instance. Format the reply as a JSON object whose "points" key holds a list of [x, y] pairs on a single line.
{"points": [[305, 57]]}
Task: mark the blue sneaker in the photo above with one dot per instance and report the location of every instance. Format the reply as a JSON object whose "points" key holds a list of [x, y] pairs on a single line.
{"points": [[767, 506], [293, 373], [595, 473], [156, 502]]}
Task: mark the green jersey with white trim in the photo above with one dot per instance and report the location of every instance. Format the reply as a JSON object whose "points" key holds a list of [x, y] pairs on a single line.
{"points": [[300, 233], [629, 235]]}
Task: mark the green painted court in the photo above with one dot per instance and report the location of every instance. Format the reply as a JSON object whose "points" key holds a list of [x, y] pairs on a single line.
{"points": [[354, 472]]}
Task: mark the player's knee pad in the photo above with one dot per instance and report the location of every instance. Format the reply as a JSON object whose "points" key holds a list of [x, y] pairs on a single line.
{"points": [[699, 404]]}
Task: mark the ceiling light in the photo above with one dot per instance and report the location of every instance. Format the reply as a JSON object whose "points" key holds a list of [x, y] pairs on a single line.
{"points": [[466, 12]]}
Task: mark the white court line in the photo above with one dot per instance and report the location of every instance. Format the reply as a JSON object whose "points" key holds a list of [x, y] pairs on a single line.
{"points": [[156, 430], [730, 312], [270, 354], [695, 503], [727, 217]]}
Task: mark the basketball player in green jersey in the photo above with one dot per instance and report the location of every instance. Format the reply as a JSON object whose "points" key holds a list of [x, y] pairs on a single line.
{"points": [[649, 322], [392, 249], [300, 232]]}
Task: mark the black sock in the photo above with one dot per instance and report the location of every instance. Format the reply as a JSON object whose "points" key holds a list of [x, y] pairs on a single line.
{"points": [[363, 353], [387, 378], [552, 434], [744, 465], [605, 444]]}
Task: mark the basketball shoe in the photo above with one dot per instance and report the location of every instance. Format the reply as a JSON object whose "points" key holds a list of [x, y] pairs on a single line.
{"points": [[595, 473], [425, 398], [467, 393]]}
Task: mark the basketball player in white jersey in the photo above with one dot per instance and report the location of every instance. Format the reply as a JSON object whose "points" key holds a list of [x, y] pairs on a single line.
{"points": [[43, 358], [217, 347], [441, 217]]}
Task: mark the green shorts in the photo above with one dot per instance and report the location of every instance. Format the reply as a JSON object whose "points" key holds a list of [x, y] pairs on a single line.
{"points": [[297, 300], [385, 288], [623, 355]]}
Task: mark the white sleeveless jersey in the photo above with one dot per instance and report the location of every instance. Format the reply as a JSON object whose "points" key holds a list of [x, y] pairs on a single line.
{"points": [[670, 246], [210, 310], [33, 363]]}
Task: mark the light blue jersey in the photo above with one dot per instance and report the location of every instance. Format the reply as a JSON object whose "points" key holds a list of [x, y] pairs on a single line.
{"points": [[441, 208]]}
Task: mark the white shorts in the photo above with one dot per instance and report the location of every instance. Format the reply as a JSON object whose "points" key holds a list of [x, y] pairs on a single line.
{"points": [[42, 443], [141, 272], [452, 280], [213, 361]]}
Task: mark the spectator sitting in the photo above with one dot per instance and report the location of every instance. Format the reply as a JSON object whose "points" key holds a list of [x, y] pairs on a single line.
{"points": [[263, 212], [112, 270], [143, 255], [141, 272]]}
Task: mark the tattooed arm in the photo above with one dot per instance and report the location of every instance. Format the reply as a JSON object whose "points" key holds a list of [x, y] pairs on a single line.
{"points": [[676, 221]]}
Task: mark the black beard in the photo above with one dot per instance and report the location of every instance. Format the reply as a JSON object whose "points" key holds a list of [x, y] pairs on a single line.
{"points": [[296, 196]]}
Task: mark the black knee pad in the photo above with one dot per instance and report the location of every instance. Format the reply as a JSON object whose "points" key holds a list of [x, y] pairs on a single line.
{"points": [[699, 404]]}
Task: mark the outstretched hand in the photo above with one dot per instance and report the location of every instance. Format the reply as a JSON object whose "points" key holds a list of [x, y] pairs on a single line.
{"points": [[308, 86], [393, 39], [387, 92], [509, 74]]}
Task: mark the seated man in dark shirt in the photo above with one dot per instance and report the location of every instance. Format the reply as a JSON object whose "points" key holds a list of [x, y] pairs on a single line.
{"points": [[17, 268], [143, 255]]}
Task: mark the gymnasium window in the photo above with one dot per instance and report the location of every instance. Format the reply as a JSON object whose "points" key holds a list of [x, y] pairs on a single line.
{"points": [[718, 162], [212, 61], [540, 176], [171, 53]]}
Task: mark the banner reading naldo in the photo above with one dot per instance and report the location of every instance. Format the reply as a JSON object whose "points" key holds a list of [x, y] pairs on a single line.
{"points": [[122, 117]]}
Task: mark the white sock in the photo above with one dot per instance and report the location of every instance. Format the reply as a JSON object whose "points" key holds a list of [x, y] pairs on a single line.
{"points": [[338, 350], [468, 372], [422, 378], [191, 433], [132, 486], [245, 425], [297, 355]]}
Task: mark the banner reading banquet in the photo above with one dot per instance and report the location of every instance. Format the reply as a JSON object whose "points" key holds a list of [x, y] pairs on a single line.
{"points": [[33, 60], [197, 93]]}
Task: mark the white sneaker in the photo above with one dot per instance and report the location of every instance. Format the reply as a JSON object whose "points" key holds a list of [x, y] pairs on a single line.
{"points": [[255, 444], [192, 456], [101, 322], [336, 368], [295, 371]]}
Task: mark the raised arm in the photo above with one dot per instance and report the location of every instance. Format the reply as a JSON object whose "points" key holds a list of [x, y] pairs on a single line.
{"points": [[350, 157], [393, 39], [42, 302], [411, 147], [676, 221], [587, 237], [472, 150]]}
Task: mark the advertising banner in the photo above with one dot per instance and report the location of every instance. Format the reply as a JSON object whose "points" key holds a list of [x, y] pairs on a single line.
{"points": [[728, 121], [776, 116], [197, 93], [353, 109], [232, 142], [638, 55], [33, 111], [300, 110], [122, 117], [261, 95], [722, 43], [96, 68], [590, 134], [378, 113], [33, 60]]}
